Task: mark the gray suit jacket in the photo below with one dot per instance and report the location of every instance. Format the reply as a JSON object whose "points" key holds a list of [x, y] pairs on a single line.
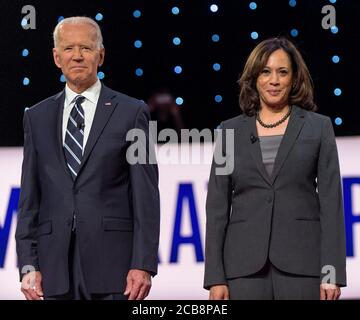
{"points": [[117, 204], [293, 217]]}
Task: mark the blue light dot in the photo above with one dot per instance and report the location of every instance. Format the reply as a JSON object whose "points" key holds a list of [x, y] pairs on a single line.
{"points": [[175, 10], [294, 32], [24, 22], [138, 44], [218, 98], [62, 78], [216, 66], [335, 59], [139, 72], [179, 101], [99, 17], [338, 121], [60, 18], [214, 8], [178, 69], [176, 41], [332, 1], [25, 52], [101, 75], [337, 92], [137, 14], [26, 81], [215, 37], [254, 35], [292, 3], [334, 29], [252, 5]]}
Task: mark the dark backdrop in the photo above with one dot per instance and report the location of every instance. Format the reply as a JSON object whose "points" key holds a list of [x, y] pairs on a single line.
{"points": [[195, 24]]}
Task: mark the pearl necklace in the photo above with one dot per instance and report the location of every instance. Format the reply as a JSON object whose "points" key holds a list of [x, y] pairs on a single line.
{"points": [[273, 125]]}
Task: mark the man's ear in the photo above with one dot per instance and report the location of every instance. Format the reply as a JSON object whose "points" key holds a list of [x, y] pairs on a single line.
{"points": [[56, 58], [102, 56]]}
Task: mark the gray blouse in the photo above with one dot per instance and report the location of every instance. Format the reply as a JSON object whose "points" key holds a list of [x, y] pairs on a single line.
{"points": [[269, 146]]}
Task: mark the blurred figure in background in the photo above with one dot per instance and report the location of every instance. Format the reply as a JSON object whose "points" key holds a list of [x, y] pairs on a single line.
{"points": [[165, 111]]}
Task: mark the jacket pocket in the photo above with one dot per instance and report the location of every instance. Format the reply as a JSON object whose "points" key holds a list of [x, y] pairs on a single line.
{"points": [[308, 218], [237, 220], [117, 224], [43, 228]]}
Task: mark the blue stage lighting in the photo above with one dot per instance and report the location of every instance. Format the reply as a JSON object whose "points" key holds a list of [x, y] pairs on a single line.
{"points": [[139, 72], [338, 121], [214, 8], [179, 101], [294, 32], [254, 35], [252, 5], [216, 66], [218, 98], [176, 41], [101, 75], [138, 44], [99, 17], [175, 10], [337, 92], [137, 14], [215, 37], [335, 59], [178, 69]]}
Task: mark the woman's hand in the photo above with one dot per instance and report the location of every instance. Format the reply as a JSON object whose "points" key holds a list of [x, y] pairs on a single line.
{"points": [[219, 292], [329, 291]]}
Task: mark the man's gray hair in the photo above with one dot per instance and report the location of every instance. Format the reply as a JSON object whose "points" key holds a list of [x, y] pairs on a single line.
{"points": [[79, 20]]}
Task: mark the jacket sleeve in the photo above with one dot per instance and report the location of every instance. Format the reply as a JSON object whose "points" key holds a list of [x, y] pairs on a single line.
{"points": [[333, 249], [145, 199], [218, 206], [26, 244]]}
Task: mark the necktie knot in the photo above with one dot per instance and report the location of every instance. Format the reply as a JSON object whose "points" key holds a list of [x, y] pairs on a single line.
{"points": [[79, 100]]}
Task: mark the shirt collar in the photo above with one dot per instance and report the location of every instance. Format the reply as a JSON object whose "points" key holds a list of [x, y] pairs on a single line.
{"points": [[92, 93]]}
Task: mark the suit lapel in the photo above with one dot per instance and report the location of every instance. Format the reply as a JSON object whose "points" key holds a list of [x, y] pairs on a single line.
{"points": [[104, 110], [254, 147], [59, 107], [296, 122]]}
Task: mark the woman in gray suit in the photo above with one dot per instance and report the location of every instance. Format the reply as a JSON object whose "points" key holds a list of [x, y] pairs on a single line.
{"points": [[275, 224]]}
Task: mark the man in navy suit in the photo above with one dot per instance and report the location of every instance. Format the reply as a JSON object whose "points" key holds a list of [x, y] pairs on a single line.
{"points": [[88, 224]]}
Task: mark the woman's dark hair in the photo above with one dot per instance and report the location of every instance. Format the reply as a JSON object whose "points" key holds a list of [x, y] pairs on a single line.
{"points": [[302, 87]]}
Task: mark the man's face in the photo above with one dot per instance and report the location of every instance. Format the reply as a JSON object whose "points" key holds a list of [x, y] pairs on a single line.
{"points": [[78, 55]]}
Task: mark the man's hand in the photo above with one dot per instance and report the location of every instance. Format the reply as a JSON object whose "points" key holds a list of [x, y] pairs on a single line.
{"points": [[31, 286], [219, 292], [138, 284], [329, 291]]}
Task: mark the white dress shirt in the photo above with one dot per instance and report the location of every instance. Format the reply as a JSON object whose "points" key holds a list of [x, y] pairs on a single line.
{"points": [[89, 105]]}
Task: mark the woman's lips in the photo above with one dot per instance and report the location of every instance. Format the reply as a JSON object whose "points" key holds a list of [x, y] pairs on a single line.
{"points": [[274, 92]]}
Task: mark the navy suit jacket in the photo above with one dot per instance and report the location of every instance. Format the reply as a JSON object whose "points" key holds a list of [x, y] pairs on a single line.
{"points": [[116, 204]]}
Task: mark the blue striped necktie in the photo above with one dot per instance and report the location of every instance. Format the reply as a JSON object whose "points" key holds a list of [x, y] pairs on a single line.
{"points": [[74, 137]]}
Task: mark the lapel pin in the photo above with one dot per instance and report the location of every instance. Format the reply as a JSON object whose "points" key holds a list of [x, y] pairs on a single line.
{"points": [[108, 103]]}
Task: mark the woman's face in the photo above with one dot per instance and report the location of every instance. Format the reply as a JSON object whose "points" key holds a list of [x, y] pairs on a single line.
{"points": [[275, 80]]}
